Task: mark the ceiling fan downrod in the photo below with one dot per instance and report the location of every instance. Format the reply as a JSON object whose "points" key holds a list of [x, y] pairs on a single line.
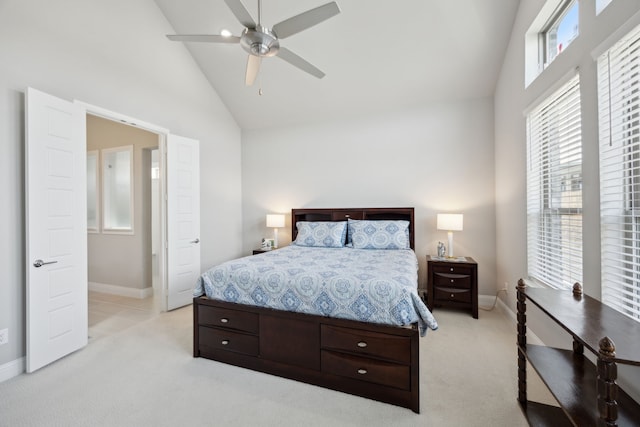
{"points": [[260, 41]]}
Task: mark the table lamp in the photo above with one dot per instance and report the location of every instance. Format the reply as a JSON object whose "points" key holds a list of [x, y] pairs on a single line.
{"points": [[275, 221], [450, 223]]}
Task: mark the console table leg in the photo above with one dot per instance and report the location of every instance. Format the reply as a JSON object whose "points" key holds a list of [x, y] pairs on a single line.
{"points": [[522, 343], [607, 386], [578, 348]]}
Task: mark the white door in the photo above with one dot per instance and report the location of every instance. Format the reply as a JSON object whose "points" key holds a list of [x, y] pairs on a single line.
{"points": [[183, 219], [56, 228]]}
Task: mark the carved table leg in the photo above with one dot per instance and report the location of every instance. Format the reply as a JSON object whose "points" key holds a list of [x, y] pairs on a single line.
{"points": [[578, 348], [607, 386], [522, 343]]}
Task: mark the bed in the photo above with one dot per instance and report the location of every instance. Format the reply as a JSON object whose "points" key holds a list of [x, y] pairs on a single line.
{"points": [[338, 308]]}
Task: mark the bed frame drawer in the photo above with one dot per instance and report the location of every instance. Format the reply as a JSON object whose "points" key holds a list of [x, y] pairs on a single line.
{"points": [[366, 343], [230, 319], [365, 369], [222, 339]]}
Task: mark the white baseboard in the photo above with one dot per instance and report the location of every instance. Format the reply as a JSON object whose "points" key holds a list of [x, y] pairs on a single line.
{"points": [[122, 291], [487, 301], [11, 369]]}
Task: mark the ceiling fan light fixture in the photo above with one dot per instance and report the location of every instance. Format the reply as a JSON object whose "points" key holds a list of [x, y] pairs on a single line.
{"points": [[259, 49], [259, 41], [225, 33]]}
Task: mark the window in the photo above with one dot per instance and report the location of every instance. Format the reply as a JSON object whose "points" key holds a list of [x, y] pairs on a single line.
{"points": [[92, 192], [560, 31], [601, 5], [619, 119], [117, 190], [552, 30], [554, 188]]}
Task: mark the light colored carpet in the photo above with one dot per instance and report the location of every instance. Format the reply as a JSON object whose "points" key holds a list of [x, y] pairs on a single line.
{"points": [[146, 376]]}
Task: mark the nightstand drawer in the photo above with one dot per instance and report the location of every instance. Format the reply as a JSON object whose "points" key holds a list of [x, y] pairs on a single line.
{"points": [[453, 294], [452, 280], [222, 339], [364, 369], [232, 319], [451, 268], [366, 344]]}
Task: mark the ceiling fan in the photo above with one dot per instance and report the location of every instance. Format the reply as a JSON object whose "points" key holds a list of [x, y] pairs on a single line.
{"points": [[261, 42]]}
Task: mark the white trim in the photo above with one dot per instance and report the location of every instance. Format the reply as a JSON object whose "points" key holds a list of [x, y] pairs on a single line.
{"points": [[111, 115], [615, 36], [550, 90], [122, 291], [11, 369], [532, 338], [486, 301]]}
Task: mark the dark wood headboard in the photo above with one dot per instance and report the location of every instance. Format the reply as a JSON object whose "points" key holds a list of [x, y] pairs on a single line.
{"points": [[342, 214]]}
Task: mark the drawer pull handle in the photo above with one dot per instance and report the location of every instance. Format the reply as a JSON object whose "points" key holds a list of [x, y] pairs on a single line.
{"points": [[362, 371], [224, 320], [451, 269], [225, 342], [362, 344], [451, 295], [451, 280]]}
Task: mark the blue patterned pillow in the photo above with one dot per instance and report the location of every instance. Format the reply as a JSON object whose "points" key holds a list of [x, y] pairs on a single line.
{"points": [[324, 234], [379, 234]]}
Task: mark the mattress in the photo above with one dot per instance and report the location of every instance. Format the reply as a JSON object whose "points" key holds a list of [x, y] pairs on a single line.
{"points": [[378, 286]]}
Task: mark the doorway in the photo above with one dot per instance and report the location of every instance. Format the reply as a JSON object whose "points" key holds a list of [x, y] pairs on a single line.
{"points": [[123, 215]]}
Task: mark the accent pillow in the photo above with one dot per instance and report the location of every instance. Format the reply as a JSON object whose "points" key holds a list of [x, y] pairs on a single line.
{"points": [[384, 234], [323, 234]]}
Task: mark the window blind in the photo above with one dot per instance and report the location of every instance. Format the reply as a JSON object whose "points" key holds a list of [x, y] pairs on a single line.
{"points": [[619, 119], [554, 188]]}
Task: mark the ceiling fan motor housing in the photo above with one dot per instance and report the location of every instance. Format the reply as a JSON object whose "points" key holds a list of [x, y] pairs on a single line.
{"points": [[260, 41]]}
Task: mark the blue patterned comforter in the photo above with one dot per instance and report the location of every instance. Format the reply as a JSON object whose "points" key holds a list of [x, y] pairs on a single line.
{"points": [[378, 286]]}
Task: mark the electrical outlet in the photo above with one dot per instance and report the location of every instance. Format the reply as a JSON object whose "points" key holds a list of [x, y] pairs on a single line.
{"points": [[506, 287], [4, 336]]}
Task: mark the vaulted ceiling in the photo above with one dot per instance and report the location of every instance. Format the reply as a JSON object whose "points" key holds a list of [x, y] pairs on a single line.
{"points": [[378, 56]]}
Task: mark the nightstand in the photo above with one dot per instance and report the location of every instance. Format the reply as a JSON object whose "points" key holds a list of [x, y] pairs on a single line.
{"points": [[261, 251], [452, 283]]}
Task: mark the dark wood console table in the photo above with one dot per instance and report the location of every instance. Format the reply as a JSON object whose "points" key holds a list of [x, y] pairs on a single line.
{"points": [[588, 394]]}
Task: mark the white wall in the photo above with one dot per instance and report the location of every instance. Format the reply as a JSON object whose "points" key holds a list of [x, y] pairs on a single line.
{"points": [[437, 158], [511, 99], [112, 54]]}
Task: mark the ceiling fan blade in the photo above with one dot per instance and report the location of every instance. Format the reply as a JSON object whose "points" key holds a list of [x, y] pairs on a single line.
{"points": [[305, 20], [207, 38], [241, 13], [297, 61], [253, 66]]}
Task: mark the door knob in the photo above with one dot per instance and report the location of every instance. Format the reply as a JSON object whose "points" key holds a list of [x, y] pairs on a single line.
{"points": [[196, 241], [39, 263]]}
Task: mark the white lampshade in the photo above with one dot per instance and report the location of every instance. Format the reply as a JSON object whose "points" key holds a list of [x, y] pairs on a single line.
{"points": [[275, 220], [450, 222]]}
